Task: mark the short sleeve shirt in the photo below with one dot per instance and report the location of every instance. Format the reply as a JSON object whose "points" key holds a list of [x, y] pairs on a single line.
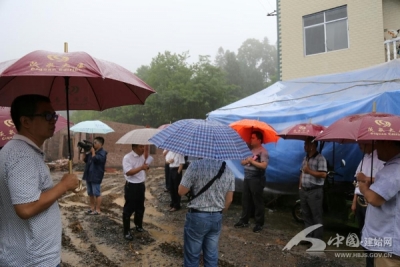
{"points": [[260, 154], [23, 178], [382, 223], [178, 159], [365, 167], [132, 161], [198, 174], [316, 163]]}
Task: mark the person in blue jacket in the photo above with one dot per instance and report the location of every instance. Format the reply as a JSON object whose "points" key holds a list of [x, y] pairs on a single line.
{"points": [[95, 161]]}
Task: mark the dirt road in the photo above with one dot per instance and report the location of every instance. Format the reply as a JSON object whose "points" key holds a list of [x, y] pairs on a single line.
{"points": [[97, 240]]}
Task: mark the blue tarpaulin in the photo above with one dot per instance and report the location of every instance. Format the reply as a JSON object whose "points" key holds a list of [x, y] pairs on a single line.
{"points": [[321, 100]]}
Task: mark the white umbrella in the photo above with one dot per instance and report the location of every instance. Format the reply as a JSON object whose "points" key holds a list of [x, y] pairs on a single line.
{"points": [[138, 136], [92, 127]]}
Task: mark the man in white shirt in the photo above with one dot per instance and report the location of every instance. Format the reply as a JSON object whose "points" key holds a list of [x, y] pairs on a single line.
{"points": [[134, 167], [176, 162]]}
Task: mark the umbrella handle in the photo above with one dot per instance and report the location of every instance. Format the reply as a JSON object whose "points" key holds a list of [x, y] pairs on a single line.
{"points": [[79, 188]]}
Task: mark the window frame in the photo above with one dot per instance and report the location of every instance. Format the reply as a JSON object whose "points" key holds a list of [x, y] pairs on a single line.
{"points": [[324, 23]]}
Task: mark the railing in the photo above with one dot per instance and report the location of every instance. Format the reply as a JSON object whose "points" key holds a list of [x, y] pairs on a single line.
{"points": [[392, 48]]}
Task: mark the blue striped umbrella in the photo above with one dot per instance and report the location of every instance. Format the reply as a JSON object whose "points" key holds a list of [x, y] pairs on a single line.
{"points": [[203, 139]]}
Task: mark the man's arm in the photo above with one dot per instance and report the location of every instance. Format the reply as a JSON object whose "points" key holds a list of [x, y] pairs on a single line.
{"points": [[183, 190], [100, 157], [133, 171], [301, 175], [316, 174], [259, 165], [373, 198], [180, 168], [47, 198], [228, 200]]}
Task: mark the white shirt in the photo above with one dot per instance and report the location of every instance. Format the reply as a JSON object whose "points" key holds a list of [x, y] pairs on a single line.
{"points": [[178, 159], [366, 167], [132, 161]]}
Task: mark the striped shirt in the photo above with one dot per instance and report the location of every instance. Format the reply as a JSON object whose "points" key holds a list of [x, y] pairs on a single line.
{"points": [[317, 163], [23, 178], [198, 174]]}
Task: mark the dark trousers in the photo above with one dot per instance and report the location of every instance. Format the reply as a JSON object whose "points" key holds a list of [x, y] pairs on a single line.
{"points": [[134, 202], [311, 207], [253, 194], [175, 180], [167, 179], [360, 215]]}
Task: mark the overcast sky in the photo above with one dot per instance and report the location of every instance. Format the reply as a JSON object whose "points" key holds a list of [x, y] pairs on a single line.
{"points": [[131, 32]]}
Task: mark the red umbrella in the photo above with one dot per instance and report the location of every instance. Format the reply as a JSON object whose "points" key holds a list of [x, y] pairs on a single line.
{"points": [[74, 81], [7, 128], [302, 131], [94, 84], [164, 126], [363, 127], [245, 127]]}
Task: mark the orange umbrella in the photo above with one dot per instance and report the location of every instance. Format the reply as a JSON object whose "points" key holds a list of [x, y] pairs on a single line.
{"points": [[245, 127]]}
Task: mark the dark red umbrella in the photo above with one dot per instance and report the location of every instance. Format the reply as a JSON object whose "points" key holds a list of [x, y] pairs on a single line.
{"points": [[74, 81], [363, 127], [7, 128], [94, 84], [302, 131], [161, 127]]}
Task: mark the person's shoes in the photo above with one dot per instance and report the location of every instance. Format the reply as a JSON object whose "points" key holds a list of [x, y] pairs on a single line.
{"points": [[240, 224], [139, 229], [128, 236], [89, 212], [173, 209], [257, 228]]}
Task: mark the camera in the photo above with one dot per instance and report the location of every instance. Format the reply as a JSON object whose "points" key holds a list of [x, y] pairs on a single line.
{"points": [[85, 146]]}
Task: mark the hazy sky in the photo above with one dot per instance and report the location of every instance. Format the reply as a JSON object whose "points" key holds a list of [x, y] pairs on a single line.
{"points": [[131, 32]]}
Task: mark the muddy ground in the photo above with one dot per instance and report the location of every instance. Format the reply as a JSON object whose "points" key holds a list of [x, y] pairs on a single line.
{"points": [[97, 240]]}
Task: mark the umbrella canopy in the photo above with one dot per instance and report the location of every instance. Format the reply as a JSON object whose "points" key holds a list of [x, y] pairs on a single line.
{"points": [[363, 127], [203, 139], [92, 127], [138, 136], [94, 84], [74, 81], [161, 127], [246, 127], [7, 128], [302, 131]]}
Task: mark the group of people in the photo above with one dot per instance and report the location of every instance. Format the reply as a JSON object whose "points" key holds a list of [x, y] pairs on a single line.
{"points": [[30, 221], [375, 203]]}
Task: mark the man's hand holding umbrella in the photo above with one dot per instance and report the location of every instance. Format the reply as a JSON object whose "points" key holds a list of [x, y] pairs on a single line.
{"points": [[69, 182]]}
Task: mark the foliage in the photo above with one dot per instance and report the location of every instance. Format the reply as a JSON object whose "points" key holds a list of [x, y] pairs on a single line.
{"points": [[192, 90]]}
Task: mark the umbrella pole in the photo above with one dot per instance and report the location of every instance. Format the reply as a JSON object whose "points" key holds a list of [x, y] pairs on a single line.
{"points": [[69, 133], [79, 188]]}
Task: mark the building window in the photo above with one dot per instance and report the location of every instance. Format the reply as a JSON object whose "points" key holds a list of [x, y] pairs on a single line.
{"points": [[326, 31]]}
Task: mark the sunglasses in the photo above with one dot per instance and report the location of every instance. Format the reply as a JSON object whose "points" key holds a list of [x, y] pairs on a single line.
{"points": [[47, 116]]}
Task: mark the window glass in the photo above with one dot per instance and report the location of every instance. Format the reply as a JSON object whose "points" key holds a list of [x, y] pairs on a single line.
{"points": [[336, 13], [336, 35], [315, 40], [313, 19]]}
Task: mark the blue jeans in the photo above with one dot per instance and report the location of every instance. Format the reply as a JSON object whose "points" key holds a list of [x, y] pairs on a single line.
{"points": [[201, 232]]}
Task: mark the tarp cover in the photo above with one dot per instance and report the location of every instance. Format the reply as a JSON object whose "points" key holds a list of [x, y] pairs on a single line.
{"points": [[321, 100]]}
